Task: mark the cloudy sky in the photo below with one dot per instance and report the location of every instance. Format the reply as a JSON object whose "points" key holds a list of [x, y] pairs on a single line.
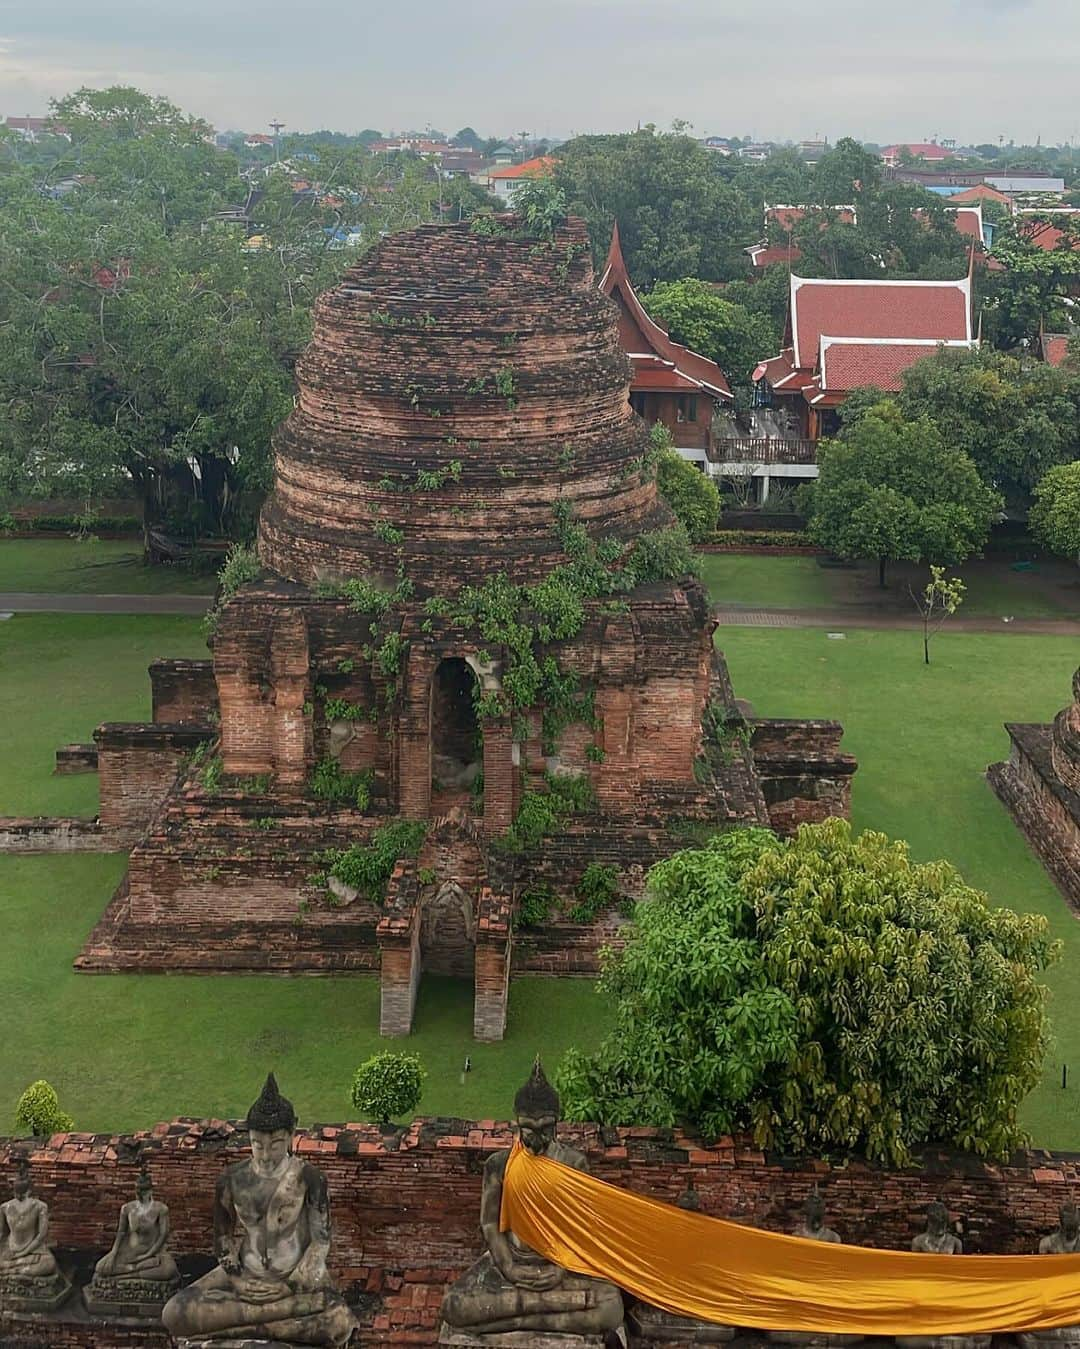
{"points": [[876, 69]]}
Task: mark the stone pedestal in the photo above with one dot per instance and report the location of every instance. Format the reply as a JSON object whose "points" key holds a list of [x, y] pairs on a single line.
{"points": [[142, 1299], [245, 1343], [1064, 1337], [806, 1339], [34, 1295], [654, 1326], [522, 1339], [942, 1341]]}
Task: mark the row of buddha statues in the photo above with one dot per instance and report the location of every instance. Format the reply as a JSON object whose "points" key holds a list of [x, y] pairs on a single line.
{"points": [[271, 1285]]}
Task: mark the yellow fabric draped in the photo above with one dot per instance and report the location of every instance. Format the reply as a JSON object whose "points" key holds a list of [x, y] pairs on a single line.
{"points": [[711, 1270]]}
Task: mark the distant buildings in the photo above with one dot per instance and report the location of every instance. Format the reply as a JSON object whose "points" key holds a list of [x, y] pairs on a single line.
{"points": [[503, 179], [670, 383], [30, 128], [929, 151]]}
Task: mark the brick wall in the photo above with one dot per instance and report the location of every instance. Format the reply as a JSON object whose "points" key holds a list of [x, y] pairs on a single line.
{"points": [[137, 765], [1045, 809], [406, 1206], [183, 690], [804, 775]]}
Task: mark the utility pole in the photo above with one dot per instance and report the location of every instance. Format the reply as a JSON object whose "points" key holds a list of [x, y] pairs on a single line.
{"points": [[277, 127]]}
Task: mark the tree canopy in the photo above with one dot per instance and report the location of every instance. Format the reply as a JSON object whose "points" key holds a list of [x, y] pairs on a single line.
{"points": [[825, 991], [693, 497], [891, 488], [700, 317], [1055, 516]]}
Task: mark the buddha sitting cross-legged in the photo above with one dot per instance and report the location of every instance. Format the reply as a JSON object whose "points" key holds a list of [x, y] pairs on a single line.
{"points": [[138, 1269], [29, 1274], [511, 1288], [939, 1239], [812, 1227], [1064, 1241], [272, 1239]]}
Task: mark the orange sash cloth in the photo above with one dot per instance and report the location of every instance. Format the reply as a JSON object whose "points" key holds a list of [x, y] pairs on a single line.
{"points": [[711, 1270]]}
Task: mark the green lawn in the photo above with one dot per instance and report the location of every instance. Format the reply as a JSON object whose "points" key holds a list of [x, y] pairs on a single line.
{"points": [[994, 589], [60, 676], [125, 1051], [923, 738], [91, 567]]}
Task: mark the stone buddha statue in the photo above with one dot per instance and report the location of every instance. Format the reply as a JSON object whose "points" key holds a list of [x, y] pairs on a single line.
{"points": [[657, 1326], [939, 1239], [512, 1295], [30, 1279], [1065, 1240], [138, 1274], [811, 1227], [271, 1238]]}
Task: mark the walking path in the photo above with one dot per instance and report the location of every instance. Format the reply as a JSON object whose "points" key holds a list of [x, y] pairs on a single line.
{"points": [[29, 603], [727, 615]]}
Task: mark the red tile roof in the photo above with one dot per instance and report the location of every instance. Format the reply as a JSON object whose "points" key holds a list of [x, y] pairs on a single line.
{"points": [[846, 365], [980, 192], [969, 221], [1055, 347], [651, 350], [764, 255], [1043, 234], [787, 217], [532, 168], [922, 150], [938, 310]]}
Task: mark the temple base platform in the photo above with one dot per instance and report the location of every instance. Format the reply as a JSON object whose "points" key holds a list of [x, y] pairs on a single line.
{"points": [[526, 1339]]}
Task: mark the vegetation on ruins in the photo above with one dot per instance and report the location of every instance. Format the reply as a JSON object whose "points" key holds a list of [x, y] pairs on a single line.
{"points": [[1055, 516], [892, 489], [331, 783], [388, 1086], [596, 891], [241, 565], [825, 991], [366, 867], [38, 1111], [692, 496]]}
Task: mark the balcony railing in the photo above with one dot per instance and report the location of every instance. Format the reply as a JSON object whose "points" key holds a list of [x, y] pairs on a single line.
{"points": [[762, 450]]}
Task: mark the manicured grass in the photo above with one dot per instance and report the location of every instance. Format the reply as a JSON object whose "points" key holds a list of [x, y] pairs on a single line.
{"points": [[91, 567], [923, 737], [125, 1051], [60, 676], [1049, 589]]}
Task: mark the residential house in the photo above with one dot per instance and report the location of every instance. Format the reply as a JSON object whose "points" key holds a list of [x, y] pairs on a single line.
{"points": [[930, 152], [781, 220], [503, 180], [669, 382]]}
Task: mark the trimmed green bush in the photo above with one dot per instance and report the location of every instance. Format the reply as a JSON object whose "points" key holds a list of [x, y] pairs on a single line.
{"points": [[388, 1086], [38, 1111]]}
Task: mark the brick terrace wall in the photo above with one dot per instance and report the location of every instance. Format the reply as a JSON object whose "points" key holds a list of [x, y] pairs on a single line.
{"points": [[137, 765], [1045, 810], [804, 776], [183, 690], [48, 833], [406, 1207]]}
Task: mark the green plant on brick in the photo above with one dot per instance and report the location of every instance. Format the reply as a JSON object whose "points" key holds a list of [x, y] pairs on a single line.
{"points": [[329, 782], [388, 1086], [597, 889], [38, 1111], [534, 906], [366, 867]]}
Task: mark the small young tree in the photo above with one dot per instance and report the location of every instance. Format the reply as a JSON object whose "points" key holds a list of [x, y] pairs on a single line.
{"points": [[38, 1111], [690, 494], [1055, 516], [388, 1085], [892, 489], [938, 600]]}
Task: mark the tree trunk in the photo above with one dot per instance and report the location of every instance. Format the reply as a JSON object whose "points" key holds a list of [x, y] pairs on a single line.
{"points": [[926, 646], [881, 572]]}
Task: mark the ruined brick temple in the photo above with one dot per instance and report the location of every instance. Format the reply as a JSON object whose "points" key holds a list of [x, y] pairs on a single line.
{"points": [[468, 608], [1040, 785]]}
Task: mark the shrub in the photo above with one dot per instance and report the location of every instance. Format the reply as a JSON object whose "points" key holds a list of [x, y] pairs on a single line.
{"points": [[388, 1086], [366, 867], [759, 538], [1055, 516], [329, 782], [825, 991], [662, 555], [241, 565], [690, 494], [38, 1111], [598, 888]]}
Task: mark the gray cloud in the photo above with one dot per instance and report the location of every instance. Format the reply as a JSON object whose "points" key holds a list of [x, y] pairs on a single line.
{"points": [[973, 69]]}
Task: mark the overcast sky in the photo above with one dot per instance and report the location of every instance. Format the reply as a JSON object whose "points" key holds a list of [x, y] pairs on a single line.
{"points": [[877, 69]]}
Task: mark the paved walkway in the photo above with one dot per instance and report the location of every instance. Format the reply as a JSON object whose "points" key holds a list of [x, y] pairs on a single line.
{"points": [[866, 616], [27, 603], [728, 615]]}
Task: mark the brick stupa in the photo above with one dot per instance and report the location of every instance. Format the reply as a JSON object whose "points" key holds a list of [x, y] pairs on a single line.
{"points": [[462, 416]]}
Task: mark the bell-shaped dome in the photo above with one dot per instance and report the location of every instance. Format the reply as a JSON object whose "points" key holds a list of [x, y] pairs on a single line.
{"points": [[458, 386]]}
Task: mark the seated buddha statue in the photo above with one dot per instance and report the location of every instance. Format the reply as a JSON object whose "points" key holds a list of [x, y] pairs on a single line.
{"points": [[1064, 1240], [812, 1227], [138, 1269], [30, 1278], [512, 1288], [939, 1239], [271, 1239]]}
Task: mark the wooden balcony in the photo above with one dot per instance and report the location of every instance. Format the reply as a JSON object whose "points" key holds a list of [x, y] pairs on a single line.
{"points": [[762, 450]]}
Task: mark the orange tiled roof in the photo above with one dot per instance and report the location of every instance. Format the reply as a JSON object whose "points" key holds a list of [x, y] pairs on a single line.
{"points": [[532, 168]]}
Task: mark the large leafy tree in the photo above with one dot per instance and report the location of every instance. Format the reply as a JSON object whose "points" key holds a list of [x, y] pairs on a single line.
{"points": [[677, 215], [1015, 419], [892, 489], [692, 496], [827, 992], [700, 317], [1055, 516]]}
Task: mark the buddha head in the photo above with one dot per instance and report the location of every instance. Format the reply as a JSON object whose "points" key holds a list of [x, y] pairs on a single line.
{"points": [[21, 1183], [144, 1186], [536, 1108], [814, 1211], [270, 1121], [937, 1219], [1070, 1221]]}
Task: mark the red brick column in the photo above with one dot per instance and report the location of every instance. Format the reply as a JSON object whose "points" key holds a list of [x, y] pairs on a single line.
{"points": [[414, 737], [245, 717], [613, 779], [494, 938], [499, 775], [399, 946]]}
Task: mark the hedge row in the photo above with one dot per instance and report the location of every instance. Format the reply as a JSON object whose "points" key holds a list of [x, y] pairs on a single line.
{"points": [[759, 538], [71, 524]]}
